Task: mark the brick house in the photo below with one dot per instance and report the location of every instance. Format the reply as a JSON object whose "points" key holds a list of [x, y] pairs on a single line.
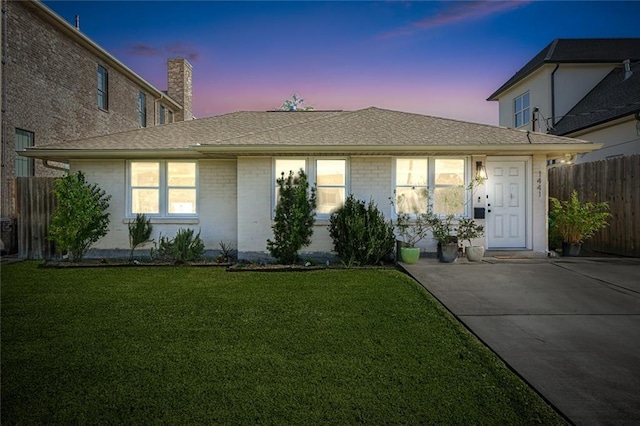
{"points": [[218, 174], [58, 85]]}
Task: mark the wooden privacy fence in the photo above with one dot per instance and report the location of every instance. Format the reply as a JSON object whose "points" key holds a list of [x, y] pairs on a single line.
{"points": [[35, 204], [616, 181]]}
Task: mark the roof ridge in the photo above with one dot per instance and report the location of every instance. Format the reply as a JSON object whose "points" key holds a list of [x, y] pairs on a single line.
{"points": [[270, 129], [552, 49]]}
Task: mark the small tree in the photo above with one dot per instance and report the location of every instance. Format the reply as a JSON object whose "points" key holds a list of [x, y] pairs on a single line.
{"points": [[139, 232], [294, 104], [294, 218], [80, 218]]}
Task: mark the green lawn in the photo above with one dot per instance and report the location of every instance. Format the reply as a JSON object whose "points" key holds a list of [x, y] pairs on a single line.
{"points": [[184, 345]]}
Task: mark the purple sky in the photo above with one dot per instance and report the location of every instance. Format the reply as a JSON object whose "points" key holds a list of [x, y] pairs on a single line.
{"points": [[436, 58]]}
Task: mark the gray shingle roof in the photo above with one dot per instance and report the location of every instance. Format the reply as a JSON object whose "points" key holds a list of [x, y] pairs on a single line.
{"points": [[589, 50], [613, 98], [330, 131]]}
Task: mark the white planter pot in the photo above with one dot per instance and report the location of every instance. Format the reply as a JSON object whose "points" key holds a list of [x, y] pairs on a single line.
{"points": [[475, 253]]}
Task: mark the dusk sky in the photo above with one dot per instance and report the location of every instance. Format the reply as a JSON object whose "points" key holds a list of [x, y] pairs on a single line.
{"points": [[435, 58]]}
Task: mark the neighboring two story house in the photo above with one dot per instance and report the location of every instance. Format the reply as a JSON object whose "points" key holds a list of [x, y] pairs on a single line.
{"points": [[580, 88], [59, 85]]}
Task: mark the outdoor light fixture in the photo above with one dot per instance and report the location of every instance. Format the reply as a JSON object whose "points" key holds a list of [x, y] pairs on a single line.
{"points": [[481, 170]]}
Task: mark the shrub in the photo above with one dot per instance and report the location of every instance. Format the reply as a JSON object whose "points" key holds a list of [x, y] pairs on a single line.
{"points": [[139, 232], [80, 218], [294, 218], [360, 234], [574, 221], [184, 247]]}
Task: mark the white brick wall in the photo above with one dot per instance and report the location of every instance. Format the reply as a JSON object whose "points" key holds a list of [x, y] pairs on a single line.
{"points": [[217, 200], [254, 203], [371, 177]]}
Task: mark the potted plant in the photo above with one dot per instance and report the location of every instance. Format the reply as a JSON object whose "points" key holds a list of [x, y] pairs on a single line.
{"points": [[575, 222], [468, 229], [443, 232], [412, 229]]}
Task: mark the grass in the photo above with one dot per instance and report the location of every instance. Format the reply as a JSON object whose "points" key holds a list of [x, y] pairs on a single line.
{"points": [[184, 345]]}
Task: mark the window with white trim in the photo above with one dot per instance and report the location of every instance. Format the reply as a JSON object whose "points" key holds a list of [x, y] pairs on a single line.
{"points": [[329, 175], [436, 182], [163, 188], [521, 110]]}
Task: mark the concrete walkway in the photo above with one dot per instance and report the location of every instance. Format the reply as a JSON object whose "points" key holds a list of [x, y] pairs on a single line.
{"points": [[568, 326]]}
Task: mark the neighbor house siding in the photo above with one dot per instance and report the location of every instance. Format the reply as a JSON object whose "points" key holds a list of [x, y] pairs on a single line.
{"points": [[620, 137]]}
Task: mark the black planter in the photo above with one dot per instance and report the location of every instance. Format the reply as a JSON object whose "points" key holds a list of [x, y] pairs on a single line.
{"points": [[447, 253], [569, 249]]}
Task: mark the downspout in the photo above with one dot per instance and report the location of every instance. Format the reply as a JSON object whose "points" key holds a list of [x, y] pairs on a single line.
{"points": [[4, 140], [553, 95]]}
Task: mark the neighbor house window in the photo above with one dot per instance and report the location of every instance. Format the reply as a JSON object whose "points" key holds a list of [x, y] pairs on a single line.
{"points": [[436, 183], [24, 165], [521, 110], [142, 109], [161, 114], [103, 88], [163, 188], [328, 175]]}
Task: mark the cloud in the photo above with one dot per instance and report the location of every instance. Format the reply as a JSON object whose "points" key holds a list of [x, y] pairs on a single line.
{"points": [[185, 50], [456, 12], [178, 48], [140, 49]]}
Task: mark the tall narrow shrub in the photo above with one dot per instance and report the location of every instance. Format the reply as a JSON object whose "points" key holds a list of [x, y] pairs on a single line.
{"points": [[360, 234], [294, 217], [80, 218]]}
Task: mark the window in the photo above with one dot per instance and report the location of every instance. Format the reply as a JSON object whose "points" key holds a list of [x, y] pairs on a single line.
{"points": [[170, 116], [24, 165], [438, 183], [329, 176], [521, 110], [331, 184], [163, 188], [161, 114], [142, 109], [103, 88]]}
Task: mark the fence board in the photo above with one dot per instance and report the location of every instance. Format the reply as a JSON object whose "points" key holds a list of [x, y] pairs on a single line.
{"points": [[616, 181], [35, 204]]}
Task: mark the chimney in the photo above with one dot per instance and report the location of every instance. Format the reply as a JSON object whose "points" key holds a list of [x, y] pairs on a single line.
{"points": [[627, 68], [180, 86]]}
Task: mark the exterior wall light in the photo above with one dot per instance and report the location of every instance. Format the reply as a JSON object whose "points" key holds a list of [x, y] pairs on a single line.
{"points": [[481, 171]]}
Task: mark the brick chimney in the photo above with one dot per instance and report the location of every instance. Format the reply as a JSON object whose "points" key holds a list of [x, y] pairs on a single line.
{"points": [[180, 86]]}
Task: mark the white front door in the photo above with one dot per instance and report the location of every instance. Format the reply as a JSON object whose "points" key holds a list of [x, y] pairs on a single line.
{"points": [[506, 204]]}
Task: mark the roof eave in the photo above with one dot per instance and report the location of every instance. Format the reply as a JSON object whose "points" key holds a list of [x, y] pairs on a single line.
{"points": [[230, 151]]}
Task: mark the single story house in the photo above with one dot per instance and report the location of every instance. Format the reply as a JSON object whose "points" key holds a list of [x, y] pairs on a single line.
{"points": [[218, 174]]}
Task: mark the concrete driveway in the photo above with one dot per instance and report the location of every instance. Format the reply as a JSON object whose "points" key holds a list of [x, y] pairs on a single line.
{"points": [[568, 326]]}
